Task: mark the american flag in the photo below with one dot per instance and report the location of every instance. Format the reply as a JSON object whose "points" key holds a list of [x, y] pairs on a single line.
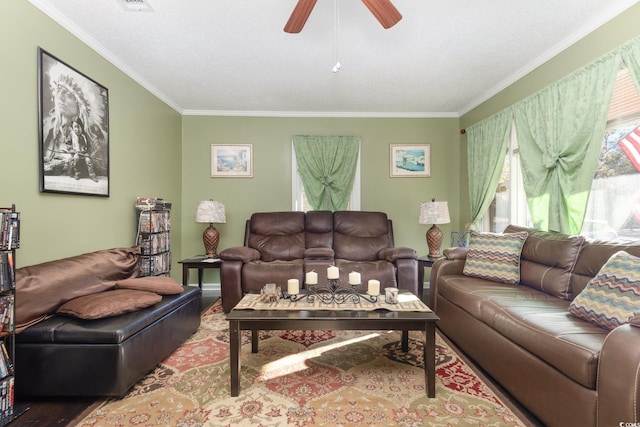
{"points": [[630, 144]]}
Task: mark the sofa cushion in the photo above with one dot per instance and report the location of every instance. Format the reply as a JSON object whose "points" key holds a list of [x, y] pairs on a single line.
{"points": [[319, 229], [359, 235], [42, 288], [613, 296], [535, 320], [495, 256], [108, 303], [160, 285], [278, 235], [548, 259], [593, 255]]}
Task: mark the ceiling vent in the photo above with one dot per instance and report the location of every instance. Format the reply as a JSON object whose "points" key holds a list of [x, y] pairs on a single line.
{"points": [[136, 5]]}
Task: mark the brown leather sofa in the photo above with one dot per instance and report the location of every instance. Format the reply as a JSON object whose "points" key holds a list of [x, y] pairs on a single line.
{"points": [[286, 245], [564, 370]]}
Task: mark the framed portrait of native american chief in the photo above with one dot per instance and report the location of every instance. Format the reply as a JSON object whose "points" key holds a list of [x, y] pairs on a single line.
{"points": [[73, 123]]}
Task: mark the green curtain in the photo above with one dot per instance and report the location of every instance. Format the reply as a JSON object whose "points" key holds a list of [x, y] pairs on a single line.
{"points": [[560, 130], [486, 148], [630, 54], [327, 167]]}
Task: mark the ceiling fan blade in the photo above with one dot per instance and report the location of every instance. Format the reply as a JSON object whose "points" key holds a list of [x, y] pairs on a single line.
{"points": [[299, 16], [385, 12]]}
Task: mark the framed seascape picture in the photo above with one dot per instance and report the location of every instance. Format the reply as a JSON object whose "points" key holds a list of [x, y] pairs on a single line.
{"points": [[73, 124], [413, 160], [232, 161]]}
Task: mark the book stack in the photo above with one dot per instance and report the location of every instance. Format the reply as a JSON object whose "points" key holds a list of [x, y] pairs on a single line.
{"points": [[7, 272], [7, 385], [9, 241], [9, 229], [148, 203], [6, 313]]}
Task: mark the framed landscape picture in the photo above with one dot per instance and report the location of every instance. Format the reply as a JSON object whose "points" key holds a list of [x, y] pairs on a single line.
{"points": [[73, 124], [412, 160], [232, 161]]}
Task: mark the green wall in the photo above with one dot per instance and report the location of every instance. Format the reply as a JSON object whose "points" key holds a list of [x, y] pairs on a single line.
{"points": [[145, 147], [270, 187]]}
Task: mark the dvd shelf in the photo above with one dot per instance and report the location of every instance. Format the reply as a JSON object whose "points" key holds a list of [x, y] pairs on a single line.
{"points": [[154, 236], [9, 242]]}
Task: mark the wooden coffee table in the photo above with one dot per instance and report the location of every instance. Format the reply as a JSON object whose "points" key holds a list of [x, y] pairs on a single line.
{"points": [[255, 320]]}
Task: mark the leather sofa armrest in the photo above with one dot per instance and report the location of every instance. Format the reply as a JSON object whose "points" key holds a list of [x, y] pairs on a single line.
{"points": [[319, 253], [455, 252], [618, 384], [442, 267], [394, 254], [240, 253]]}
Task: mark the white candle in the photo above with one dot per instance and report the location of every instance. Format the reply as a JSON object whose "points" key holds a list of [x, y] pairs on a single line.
{"points": [[311, 278], [373, 287], [333, 273], [293, 286], [354, 278]]}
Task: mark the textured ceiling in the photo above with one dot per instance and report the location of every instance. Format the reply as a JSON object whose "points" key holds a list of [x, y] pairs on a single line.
{"points": [[232, 57]]}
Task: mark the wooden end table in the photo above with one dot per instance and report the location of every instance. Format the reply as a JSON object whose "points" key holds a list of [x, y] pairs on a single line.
{"points": [[200, 262], [255, 320], [424, 262]]}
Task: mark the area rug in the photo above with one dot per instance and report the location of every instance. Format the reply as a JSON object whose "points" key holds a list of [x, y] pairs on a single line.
{"points": [[305, 378]]}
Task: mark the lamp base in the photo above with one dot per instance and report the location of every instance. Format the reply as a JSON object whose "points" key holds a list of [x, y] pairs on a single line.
{"points": [[210, 238], [434, 241]]}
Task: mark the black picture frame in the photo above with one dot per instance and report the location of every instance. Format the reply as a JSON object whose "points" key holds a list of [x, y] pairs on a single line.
{"points": [[73, 124]]}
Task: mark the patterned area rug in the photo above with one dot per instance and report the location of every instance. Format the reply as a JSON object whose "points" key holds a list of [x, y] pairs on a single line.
{"points": [[305, 378]]}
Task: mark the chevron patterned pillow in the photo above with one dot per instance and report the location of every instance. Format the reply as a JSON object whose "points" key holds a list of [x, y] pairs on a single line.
{"points": [[613, 295], [495, 256]]}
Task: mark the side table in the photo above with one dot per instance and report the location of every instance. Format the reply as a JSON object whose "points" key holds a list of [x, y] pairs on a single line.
{"points": [[200, 262], [424, 262]]}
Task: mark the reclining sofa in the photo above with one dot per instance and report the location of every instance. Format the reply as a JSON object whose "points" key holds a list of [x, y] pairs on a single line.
{"points": [[286, 245], [564, 369], [89, 326]]}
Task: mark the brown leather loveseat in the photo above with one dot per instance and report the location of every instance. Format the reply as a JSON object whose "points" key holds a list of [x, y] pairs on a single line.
{"points": [[566, 371], [286, 245]]}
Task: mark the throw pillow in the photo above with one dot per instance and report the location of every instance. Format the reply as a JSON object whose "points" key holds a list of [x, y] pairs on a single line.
{"points": [[161, 285], [612, 297], [108, 303], [495, 256]]}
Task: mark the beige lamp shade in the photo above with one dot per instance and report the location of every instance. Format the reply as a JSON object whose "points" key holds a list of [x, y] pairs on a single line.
{"points": [[434, 213], [210, 211]]}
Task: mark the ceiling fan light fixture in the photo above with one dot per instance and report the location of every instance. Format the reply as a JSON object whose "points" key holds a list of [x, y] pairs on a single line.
{"points": [[136, 5]]}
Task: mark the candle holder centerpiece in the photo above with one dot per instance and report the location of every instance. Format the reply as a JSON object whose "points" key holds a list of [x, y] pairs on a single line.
{"points": [[334, 291]]}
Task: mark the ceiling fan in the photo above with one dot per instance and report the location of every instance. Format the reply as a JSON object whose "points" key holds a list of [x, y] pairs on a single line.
{"points": [[383, 10]]}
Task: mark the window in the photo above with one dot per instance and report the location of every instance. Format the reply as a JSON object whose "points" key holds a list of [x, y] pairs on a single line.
{"points": [[510, 203], [613, 210], [299, 199]]}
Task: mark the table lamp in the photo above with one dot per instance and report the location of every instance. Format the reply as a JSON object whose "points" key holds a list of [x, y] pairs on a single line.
{"points": [[434, 213], [211, 212]]}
